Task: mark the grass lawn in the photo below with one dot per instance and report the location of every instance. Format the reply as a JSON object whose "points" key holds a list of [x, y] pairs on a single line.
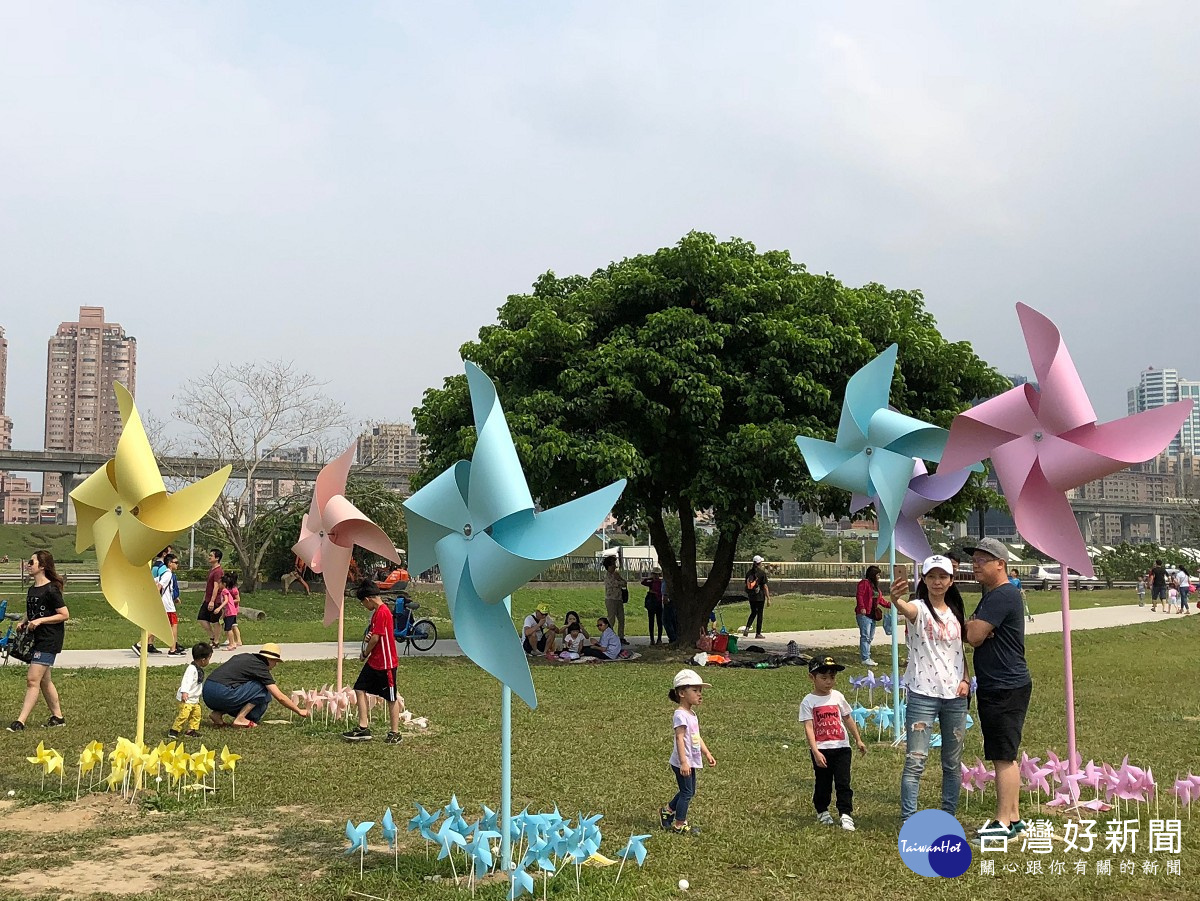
{"points": [[598, 743], [295, 617]]}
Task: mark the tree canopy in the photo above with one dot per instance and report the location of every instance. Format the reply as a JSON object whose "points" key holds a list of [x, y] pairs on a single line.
{"points": [[689, 371]]}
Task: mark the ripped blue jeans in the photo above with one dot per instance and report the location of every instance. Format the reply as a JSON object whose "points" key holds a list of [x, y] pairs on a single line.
{"points": [[951, 714]]}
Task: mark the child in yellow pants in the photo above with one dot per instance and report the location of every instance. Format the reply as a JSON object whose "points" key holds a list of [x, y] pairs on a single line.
{"points": [[188, 695]]}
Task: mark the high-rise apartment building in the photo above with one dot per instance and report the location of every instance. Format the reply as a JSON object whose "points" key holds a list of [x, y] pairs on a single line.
{"points": [[390, 444], [1159, 387], [83, 360]]}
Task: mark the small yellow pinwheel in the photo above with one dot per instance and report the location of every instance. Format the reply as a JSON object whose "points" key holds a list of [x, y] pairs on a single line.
{"points": [[90, 756], [116, 777], [53, 763], [229, 760], [124, 510], [203, 762], [41, 755]]}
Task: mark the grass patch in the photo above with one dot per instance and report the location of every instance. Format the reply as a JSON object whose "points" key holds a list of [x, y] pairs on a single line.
{"points": [[599, 742]]}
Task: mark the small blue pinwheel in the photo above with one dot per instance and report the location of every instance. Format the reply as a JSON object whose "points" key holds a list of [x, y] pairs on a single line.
{"points": [[479, 849], [636, 848], [861, 714], [490, 817], [522, 884], [885, 682], [423, 819], [970, 722], [389, 828], [449, 838], [883, 715], [875, 446], [357, 836], [541, 853], [477, 522]]}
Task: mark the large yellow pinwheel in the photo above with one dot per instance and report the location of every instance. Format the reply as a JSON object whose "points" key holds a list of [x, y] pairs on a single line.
{"points": [[124, 510]]}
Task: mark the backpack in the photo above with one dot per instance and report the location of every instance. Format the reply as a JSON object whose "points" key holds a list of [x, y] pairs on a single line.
{"points": [[752, 583]]}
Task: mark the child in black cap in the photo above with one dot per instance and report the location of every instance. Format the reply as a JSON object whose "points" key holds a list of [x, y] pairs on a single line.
{"points": [[828, 725]]}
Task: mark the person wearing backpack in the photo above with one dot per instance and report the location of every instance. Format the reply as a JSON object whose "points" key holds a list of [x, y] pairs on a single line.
{"points": [[758, 592]]}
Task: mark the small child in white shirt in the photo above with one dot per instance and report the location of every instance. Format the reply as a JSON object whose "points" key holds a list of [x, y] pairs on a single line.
{"points": [[572, 642], [828, 726], [188, 695]]}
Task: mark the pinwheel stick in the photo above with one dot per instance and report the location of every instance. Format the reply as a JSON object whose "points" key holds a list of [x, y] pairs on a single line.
{"points": [[341, 652], [897, 723], [1068, 667], [141, 701], [506, 775]]}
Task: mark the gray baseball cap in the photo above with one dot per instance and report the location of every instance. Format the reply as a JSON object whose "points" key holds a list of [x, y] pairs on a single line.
{"points": [[989, 546]]}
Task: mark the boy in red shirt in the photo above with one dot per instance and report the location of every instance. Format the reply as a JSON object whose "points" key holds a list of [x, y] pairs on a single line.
{"points": [[378, 676]]}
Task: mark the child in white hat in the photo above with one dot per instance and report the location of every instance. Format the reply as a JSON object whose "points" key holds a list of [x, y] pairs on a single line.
{"points": [[689, 751]]}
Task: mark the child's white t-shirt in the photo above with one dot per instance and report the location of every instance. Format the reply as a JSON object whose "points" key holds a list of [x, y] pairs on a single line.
{"points": [[164, 589], [826, 712], [691, 738], [190, 684], [936, 662], [573, 643]]}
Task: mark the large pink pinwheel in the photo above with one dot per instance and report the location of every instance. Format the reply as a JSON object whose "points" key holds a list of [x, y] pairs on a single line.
{"points": [[1045, 441], [328, 533]]}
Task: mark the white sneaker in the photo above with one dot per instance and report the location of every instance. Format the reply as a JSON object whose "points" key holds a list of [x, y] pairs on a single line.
{"points": [[869, 662], [825, 818], [847, 822]]}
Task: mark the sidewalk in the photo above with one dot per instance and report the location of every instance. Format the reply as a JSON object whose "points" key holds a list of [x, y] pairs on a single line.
{"points": [[1097, 618]]}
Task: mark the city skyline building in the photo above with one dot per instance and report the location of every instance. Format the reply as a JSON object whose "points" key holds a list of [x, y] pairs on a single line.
{"points": [[391, 444], [5, 422], [83, 359], [1159, 387]]}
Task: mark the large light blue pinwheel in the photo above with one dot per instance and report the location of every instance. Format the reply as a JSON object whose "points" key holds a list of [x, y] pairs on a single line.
{"points": [[875, 446], [477, 522]]}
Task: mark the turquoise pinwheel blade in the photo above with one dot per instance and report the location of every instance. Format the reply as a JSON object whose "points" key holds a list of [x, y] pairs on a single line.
{"points": [[822, 457], [435, 511], [389, 827], [358, 836], [866, 392], [906, 435], [522, 884], [484, 631], [498, 487], [521, 545], [889, 477]]}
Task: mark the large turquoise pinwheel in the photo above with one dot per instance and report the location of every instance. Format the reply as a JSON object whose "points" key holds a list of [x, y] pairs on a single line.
{"points": [[477, 522], [875, 446]]}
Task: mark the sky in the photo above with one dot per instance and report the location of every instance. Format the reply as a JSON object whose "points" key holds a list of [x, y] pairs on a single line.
{"points": [[359, 186]]}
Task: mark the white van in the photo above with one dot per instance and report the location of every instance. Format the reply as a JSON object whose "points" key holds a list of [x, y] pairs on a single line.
{"points": [[1049, 575]]}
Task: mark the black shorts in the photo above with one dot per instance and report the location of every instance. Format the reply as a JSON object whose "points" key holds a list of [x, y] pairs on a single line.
{"points": [[1002, 719], [379, 682], [207, 616], [1158, 594], [541, 645]]}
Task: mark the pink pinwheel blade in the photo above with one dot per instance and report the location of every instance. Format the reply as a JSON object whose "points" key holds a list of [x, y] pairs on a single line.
{"points": [[1062, 403], [337, 564], [331, 480]]}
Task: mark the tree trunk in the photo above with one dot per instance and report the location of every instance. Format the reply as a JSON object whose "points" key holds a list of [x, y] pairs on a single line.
{"points": [[694, 602]]}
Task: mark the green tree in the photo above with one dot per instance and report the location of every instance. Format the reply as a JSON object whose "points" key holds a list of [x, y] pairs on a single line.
{"points": [[808, 541], [845, 548], [689, 371], [755, 538]]}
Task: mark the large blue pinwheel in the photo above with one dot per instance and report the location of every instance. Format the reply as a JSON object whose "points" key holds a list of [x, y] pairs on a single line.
{"points": [[875, 446], [477, 522], [873, 456]]}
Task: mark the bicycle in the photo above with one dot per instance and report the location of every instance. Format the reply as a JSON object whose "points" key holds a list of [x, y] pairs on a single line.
{"points": [[415, 633], [7, 639]]}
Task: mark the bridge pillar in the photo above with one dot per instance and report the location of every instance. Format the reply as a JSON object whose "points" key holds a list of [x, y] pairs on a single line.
{"points": [[1126, 527], [66, 510], [1156, 529], [1085, 527]]}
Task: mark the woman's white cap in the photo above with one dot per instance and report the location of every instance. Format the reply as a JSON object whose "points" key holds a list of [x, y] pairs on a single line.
{"points": [[688, 677], [937, 561]]}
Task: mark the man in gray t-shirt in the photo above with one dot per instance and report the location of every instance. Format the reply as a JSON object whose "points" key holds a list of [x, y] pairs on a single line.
{"points": [[997, 632]]}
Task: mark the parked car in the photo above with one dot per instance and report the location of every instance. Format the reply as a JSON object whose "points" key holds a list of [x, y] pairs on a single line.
{"points": [[1049, 575]]}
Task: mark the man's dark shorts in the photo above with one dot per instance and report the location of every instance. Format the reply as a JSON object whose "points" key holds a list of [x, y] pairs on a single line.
{"points": [[1158, 594], [377, 682], [1002, 719], [541, 645]]}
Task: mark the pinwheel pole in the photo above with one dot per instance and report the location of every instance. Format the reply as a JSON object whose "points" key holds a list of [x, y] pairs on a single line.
{"points": [[1068, 667], [141, 699], [506, 774], [897, 725]]}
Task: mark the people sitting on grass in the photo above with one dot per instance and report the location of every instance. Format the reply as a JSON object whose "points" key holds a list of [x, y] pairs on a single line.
{"points": [[539, 632], [607, 646], [573, 617], [573, 639], [243, 686]]}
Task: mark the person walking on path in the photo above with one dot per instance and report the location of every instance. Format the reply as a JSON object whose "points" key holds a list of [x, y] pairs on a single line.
{"points": [[616, 593], [1183, 581], [45, 615], [997, 632], [937, 679], [1158, 586], [654, 602], [869, 605], [209, 620], [758, 592], [378, 676]]}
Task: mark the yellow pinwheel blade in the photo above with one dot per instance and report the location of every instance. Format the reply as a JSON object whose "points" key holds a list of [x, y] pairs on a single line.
{"points": [[135, 469], [130, 590]]}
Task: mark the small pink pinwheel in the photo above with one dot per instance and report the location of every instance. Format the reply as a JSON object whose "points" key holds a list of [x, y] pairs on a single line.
{"points": [[1044, 441], [968, 777], [983, 775], [331, 528], [1184, 791], [925, 491]]}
